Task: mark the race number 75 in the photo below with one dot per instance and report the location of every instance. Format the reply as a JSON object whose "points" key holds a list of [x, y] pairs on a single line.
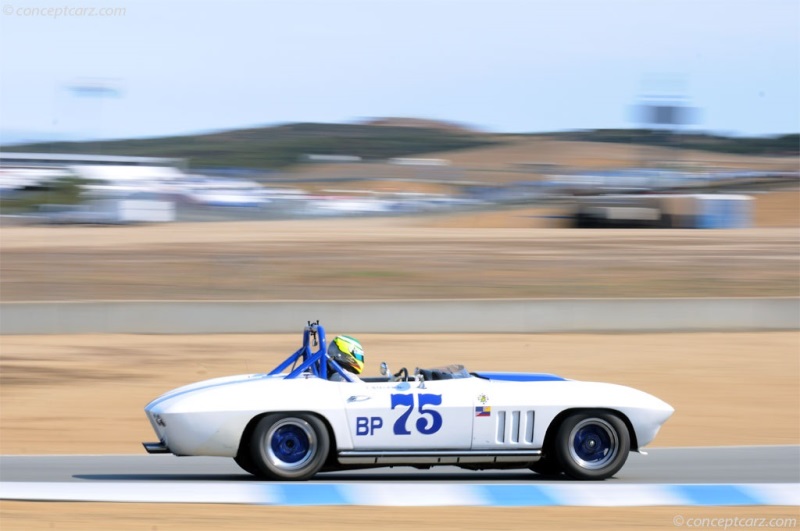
{"points": [[430, 421]]}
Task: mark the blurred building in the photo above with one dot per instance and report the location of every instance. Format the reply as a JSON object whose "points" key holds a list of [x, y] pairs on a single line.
{"points": [[114, 189], [25, 170]]}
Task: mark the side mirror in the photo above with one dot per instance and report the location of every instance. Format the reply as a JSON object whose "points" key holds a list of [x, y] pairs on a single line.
{"points": [[384, 368]]}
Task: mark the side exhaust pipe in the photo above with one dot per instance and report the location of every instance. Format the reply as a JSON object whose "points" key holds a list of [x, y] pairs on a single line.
{"points": [[156, 448]]}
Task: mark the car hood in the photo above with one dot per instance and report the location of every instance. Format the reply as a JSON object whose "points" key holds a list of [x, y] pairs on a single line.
{"points": [[206, 384]]}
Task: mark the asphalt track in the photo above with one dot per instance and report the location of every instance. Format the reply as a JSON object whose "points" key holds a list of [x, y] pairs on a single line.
{"points": [[719, 465]]}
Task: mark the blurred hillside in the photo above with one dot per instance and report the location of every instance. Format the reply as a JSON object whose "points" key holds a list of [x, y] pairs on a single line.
{"points": [[782, 145], [278, 147], [286, 145]]}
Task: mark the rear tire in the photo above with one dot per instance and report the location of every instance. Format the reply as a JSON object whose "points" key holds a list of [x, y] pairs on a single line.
{"points": [[592, 445], [291, 446]]}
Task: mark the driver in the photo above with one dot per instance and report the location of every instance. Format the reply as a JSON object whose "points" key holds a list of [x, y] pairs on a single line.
{"points": [[348, 353]]}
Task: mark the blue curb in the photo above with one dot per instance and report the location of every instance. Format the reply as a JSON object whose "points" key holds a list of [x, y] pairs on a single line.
{"points": [[308, 494], [408, 495], [517, 496], [714, 495]]}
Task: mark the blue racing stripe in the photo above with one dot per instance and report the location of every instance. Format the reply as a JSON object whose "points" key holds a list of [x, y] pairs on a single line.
{"points": [[519, 376], [714, 495]]}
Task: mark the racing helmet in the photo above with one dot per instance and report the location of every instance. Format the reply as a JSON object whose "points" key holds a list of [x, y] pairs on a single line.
{"points": [[348, 352]]}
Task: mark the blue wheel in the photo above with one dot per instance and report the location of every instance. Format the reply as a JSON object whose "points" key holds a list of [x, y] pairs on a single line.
{"points": [[290, 446], [291, 443], [592, 445]]}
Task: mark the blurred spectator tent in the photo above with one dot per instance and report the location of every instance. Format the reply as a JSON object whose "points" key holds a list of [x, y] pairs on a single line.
{"points": [[20, 170], [122, 189]]}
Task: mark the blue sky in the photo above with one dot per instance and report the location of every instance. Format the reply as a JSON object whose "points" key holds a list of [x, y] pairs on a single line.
{"points": [[510, 66]]}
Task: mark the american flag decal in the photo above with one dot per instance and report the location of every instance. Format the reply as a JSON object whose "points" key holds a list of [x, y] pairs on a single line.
{"points": [[483, 411]]}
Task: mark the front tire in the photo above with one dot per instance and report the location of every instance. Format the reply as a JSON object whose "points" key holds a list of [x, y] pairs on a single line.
{"points": [[592, 445], [546, 466], [245, 462], [289, 446]]}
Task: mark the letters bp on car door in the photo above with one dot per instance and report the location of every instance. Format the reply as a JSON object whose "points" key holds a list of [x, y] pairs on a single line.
{"points": [[415, 415]]}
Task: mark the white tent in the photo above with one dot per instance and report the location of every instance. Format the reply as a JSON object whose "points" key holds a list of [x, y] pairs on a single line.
{"points": [[128, 174]]}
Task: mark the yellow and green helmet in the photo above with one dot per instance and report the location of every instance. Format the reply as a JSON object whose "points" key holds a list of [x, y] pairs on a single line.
{"points": [[348, 352]]}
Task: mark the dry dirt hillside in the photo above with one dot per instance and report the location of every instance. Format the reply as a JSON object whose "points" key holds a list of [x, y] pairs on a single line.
{"points": [[525, 158]]}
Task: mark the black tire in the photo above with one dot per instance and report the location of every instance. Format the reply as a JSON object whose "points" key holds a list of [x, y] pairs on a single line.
{"points": [[245, 462], [546, 466], [592, 445], [289, 446]]}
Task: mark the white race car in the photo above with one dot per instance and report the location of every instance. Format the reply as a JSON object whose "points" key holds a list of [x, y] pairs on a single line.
{"points": [[293, 422]]}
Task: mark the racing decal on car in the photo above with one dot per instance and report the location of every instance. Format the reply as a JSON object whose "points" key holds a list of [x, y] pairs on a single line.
{"points": [[429, 423], [368, 425], [483, 411], [483, 399]]}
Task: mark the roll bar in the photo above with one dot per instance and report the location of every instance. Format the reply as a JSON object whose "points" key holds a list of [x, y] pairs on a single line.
{"points": [[318, 363]]}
